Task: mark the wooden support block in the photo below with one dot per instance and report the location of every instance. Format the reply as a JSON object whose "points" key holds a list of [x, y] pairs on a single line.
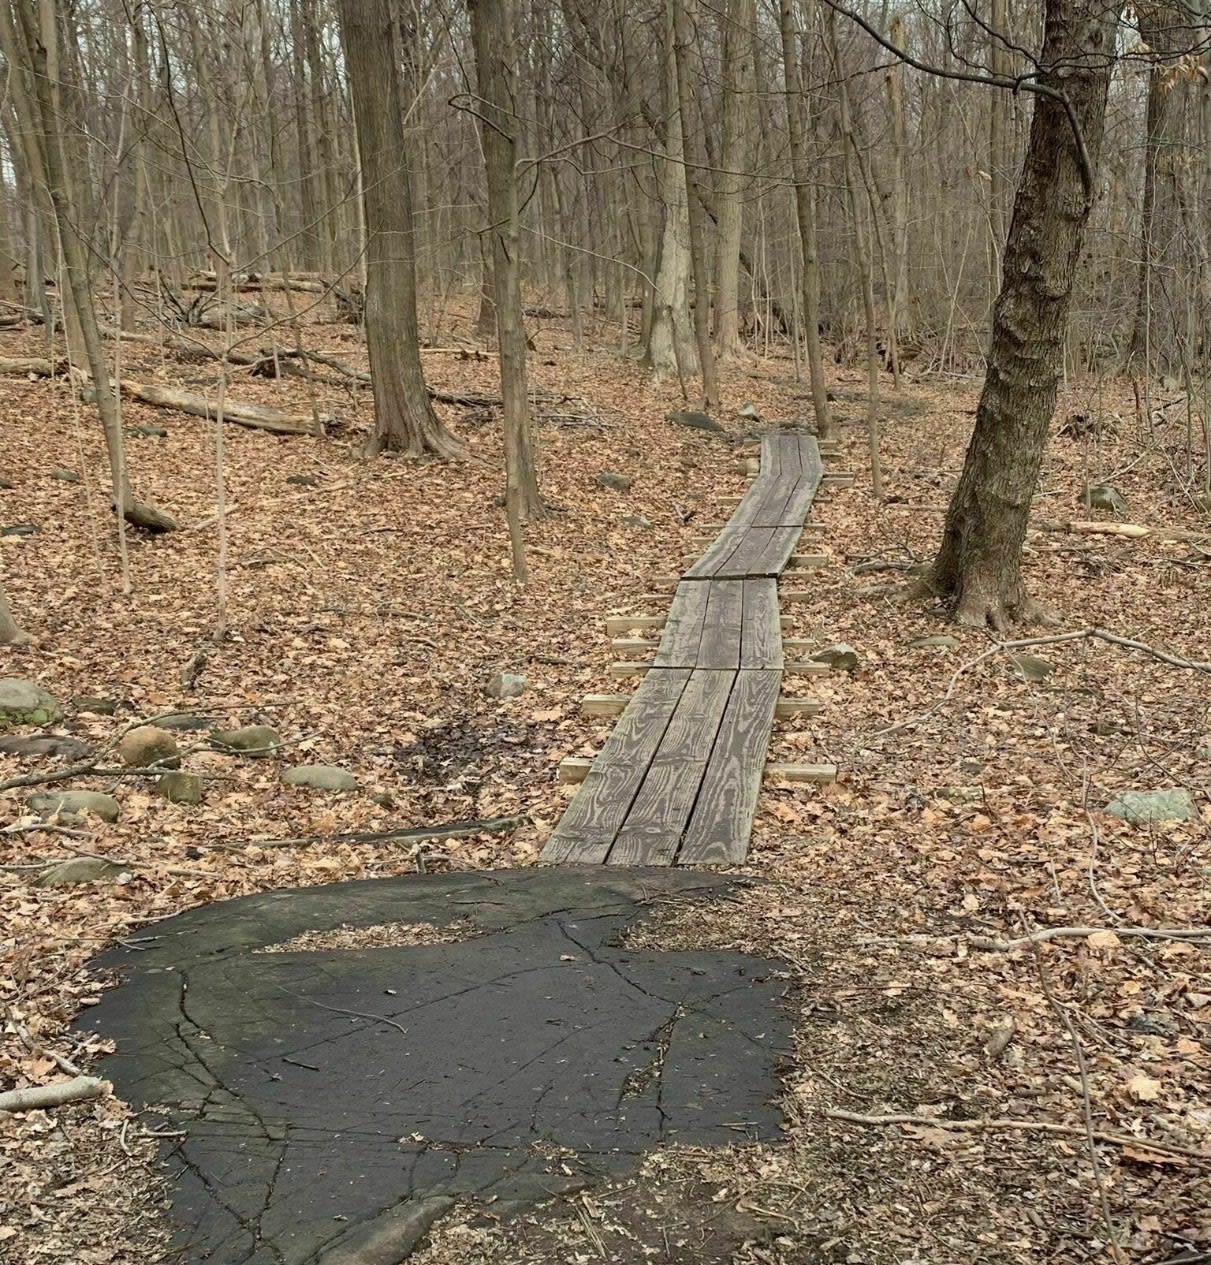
{"points": [[630, 668], [836, 479], [806, 667], [655, 597], [799, 645], [785, 621], [671, 580], [701, 542], [604, 704], [802, 772], [807, 561], [574, 768], [632, 647], [795, 595], [829, 447], [729, 499], [616, 624], [787, 706]]}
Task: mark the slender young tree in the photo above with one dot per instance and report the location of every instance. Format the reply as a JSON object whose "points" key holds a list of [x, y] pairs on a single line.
{"points": [[11, 633], [404, 419], [979, 563]]}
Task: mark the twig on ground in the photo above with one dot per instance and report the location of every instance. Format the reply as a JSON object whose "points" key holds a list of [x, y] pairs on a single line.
{"points": [[1057, 933], [453, 830], [38, 1096]]}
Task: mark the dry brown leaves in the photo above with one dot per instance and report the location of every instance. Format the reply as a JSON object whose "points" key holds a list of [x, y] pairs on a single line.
{"points": [[366, 614]]}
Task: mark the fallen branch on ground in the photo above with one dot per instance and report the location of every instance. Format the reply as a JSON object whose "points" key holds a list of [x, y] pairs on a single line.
{"points": [[256, 416], [454, 830], [1022, 1126], [1132, 531], [1079, 933], [75, 1090]]}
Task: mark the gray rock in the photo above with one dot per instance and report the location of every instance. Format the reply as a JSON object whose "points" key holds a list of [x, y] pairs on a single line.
{"points": [[1145, 807], [303, 480], [841, 658], [181, 788], [1101, 496], [26, 703], [20, 529], [64, 475], [75, 803], [505, 685], [45, 744], [6, 485], [695, 421], [616, 482], [97, 706], [749, 413], [258, 741], [80, 870], [941, 639], [321, 777], [185, 721], [637, 520], [1029, 667], [144, 431], [148, 745]]}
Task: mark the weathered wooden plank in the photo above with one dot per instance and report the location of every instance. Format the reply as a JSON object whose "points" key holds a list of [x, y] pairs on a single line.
{"points": [[722, 821], [604, 704], [651, 833], [683, 627], [723, 626], [624, 623], [761, 634], [763, 552], [588, 826], [802, 772]]}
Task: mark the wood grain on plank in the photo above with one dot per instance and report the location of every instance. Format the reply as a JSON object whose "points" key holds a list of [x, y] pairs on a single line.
{"points": [[683, 627], [722, 821], [761, 634], [721, 632], [589, 824]]}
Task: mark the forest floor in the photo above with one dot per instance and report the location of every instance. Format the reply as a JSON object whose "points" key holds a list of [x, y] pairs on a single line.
{"points": [[367, 612]]}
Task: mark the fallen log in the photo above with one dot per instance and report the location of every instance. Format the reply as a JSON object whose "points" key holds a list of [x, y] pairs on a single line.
{"points": [[39, 366], [183, 346], [1132, 531], [254, 416], [74, 1090]]}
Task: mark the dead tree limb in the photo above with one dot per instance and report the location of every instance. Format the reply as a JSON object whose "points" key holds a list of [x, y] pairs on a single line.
{"points": [[75, 1090]]}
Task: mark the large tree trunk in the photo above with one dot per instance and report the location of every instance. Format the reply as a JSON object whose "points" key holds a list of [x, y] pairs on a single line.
{"points": [[11, 634], [979, 562], [404, 420], [496, 71]]}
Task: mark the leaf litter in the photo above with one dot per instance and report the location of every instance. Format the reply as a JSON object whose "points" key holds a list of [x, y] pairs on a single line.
{"points": [[943, 1095]]}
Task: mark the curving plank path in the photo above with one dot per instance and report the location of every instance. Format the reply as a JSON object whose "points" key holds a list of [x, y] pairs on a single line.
{"points": [[678, 778]]}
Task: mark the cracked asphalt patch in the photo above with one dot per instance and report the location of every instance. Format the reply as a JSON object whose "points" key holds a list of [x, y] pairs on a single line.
{"points": [[334, 1103]]}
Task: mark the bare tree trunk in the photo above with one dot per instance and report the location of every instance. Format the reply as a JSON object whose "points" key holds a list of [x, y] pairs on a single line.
{"points": [[805, 213], [671, 347], [11, 634], [683, 40], [735, 158], [492, 34], [979, 563], [403, 416]]}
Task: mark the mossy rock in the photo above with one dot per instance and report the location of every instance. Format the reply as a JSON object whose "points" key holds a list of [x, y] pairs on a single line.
{"points": [[1101, 496], [1030, 668], [256, 741], [26, 703], [615, 482], [149, 745], [695, 420], [181, 788], [75, 804], [320, 777], [1147, 807], [80, 870]]}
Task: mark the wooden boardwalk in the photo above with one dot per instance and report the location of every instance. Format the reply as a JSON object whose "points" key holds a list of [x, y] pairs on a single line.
{"points": [[678, 778]]}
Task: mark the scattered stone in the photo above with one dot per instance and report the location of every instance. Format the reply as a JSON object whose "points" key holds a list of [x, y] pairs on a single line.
{"points": [[25, 703], [185, 721], [841, 658], [45, 744], [383, 799], [749, 413], [80, 870], [20, 529], [637, 520], [1029, 667], [75, 804], [941, 639], [321, 777], [303, 480], [695, 421], [149, 745], [181, 788], [505, 685], [616, 482], [1101, 496], [64, 475], [258, 741], [1146, 807], [6, 485], [1104, 728], [97, 706], [144, 431]]}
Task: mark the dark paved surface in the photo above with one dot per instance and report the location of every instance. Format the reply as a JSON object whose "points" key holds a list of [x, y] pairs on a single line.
{"points": [[335, 1102]]}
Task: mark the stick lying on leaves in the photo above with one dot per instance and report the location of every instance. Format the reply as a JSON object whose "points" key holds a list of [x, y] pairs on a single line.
{"points": [[1023, 1126], [453, 830], [75, 1090]]}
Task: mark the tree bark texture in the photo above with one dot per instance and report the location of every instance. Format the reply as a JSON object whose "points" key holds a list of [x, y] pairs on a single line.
{"points": [[979, 562], [404, 420]]}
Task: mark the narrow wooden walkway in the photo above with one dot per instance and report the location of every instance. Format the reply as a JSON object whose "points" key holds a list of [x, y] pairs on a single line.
{"points": [[678, 779]]}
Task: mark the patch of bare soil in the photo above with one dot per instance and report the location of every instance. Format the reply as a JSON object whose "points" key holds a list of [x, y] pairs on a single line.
{"points": [[960, 1091]]}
